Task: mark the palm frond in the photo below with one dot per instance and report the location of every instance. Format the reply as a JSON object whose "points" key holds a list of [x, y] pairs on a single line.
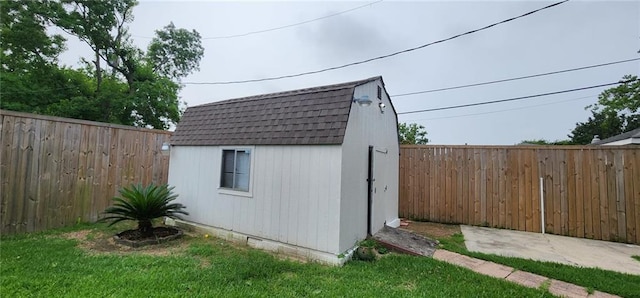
{"points": [[140, 203]]}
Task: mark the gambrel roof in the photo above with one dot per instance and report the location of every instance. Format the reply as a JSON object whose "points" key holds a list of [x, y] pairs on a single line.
{"points": [[311, 116]]}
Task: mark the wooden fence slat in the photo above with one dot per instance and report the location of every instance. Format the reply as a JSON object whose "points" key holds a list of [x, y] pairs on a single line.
{"points": [[611, 197], [483, 187], [571, 191], [502, 186], [522, 208], [587, 182], [579, 194], [628, 194], [477, 181], [459, 168], [449, 190], [528, 186], [466, 190], [535, 192], [596, 193], [636, 192], [621, 221]]}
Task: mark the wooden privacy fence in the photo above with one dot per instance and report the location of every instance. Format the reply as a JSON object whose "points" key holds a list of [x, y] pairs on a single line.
{"points": [[55, 171], [589, 191]]}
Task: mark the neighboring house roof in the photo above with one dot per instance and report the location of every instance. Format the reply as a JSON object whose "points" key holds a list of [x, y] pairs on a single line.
{"points": [[315, 115], [633, 134]]}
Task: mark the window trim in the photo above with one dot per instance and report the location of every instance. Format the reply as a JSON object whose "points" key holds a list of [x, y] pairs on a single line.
{"points": [[232, 191]]}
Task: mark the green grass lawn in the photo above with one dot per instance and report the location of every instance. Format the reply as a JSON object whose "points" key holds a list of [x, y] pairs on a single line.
{"points": [[625, 285], [50, 265]]}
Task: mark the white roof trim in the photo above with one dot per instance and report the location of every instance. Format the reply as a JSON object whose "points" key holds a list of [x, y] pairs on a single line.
{"points": [[629, 141]]}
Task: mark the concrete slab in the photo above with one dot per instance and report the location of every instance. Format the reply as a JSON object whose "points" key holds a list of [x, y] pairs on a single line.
{"points": [[553, 248]]}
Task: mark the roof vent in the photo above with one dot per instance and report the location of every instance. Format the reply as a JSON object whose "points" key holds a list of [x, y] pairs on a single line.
{"points": [[595, 140]]}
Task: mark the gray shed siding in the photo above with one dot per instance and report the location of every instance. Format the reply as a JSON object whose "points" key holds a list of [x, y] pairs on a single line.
{"points": [[295, 193], [368, 127]]}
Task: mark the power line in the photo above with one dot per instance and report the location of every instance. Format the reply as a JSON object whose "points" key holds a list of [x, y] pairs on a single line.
{"points": [[379, 57], [513, 99], [281, 27], [506, 110], [516, 78]]}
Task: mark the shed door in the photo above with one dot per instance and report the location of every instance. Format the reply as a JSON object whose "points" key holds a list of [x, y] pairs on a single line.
{"points": [[379, 188]]}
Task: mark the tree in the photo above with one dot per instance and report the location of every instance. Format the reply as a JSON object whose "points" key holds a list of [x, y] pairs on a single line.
{"points": [[119, 84], [545, 142], [412, 134], [624, 97], [175, 53], [616, 112], [29, 74]]}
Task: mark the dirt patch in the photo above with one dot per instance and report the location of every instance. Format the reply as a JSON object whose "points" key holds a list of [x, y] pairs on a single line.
{"points": [[97, 242], [157, 235], [433, 230], [77, 235]]}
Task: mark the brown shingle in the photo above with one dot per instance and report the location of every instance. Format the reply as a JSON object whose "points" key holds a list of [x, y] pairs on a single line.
{"points": [[315, 115]]}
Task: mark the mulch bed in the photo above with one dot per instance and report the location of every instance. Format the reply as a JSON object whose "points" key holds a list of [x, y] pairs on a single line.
{"points": [[134, 238]]}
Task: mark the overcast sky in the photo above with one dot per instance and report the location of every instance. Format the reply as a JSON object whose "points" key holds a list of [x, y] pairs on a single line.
{"points": [[574, 34]]}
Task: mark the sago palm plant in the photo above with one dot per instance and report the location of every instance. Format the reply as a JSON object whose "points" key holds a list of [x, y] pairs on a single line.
{"points": [[144, 204]]}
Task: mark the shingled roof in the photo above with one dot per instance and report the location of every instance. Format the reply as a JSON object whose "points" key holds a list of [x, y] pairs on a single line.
{"points": [[633, 134], [309, 116]]}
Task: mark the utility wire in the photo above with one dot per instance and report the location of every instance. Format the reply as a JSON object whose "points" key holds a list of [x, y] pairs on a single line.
{"points": [[506, 110], [513, 99], [379, 57], [515, 79], [281, 27]]}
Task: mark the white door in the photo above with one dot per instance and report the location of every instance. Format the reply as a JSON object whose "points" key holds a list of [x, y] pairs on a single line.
{"points": [[379, 189]]}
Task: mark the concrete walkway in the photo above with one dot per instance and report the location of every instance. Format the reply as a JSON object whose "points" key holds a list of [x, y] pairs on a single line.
{"points": [[553, 248], [526, 279]]}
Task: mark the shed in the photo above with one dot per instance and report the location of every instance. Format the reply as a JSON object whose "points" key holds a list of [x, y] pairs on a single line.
{"points": [[307, 172]]}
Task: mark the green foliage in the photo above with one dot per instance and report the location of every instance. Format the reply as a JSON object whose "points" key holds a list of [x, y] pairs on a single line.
{"points": [[625, 96], [367, 250], [637, 258], [616, 112], [144, 204], [545, 142], [174, 52], [364, 253], [25, 43], [412, 134], [119, 84]]}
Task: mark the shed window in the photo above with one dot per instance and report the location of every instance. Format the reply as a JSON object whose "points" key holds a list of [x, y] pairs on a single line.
{"points": [[236, 167]]}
